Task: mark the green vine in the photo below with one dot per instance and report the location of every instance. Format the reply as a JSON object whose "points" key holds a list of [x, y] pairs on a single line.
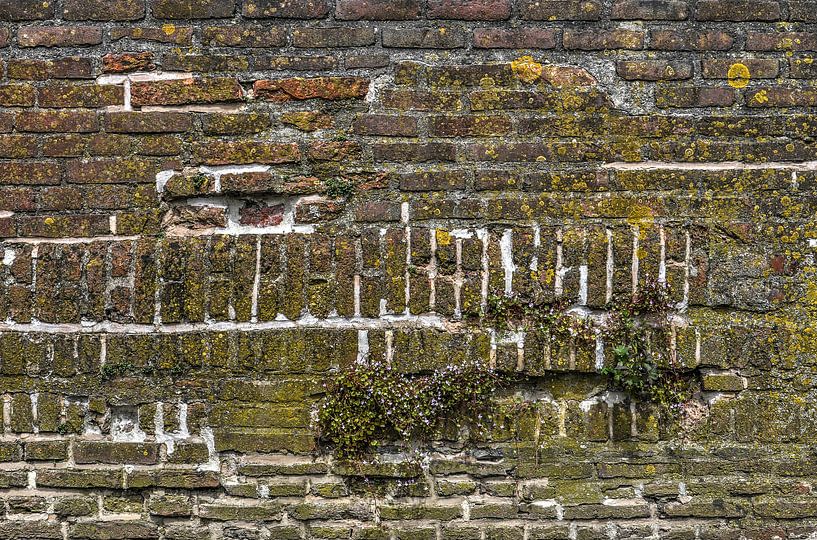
{"points": [[633, 328], [369, 400]]}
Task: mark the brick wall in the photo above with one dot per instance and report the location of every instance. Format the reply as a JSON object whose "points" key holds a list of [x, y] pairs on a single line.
{"points": [[207, 207]]}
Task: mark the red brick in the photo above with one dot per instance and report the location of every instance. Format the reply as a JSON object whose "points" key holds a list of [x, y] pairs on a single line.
{"points": [[653, 70], [428, 38], [590, 40], [111, 171], [191, 9], [259, 215], [759, 68], [57, 121], [516, 38], [782, 97], [103, 10], [17, 199], [127, 62], [178, 35], [58, 36], [318, 209], [690, 40], [244, 36], [737, 10], [17, 95], [333, 36], [57, 198], [381, 124], [25, 10], [285, 9], [30, 173], [148, 122], [558, 10], [414, 152], [226, 152], [80, 95], [331, 88], [185, 91], [651, 10], [469, 10], [781, 41], [70, 67], [377, 10], [694, 96]]}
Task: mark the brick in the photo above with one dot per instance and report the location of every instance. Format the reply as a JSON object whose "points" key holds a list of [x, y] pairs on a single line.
{"points": [[235, 123], [101, 10], [148, 122], [469, 126], [296, 63], [781, 41], [694, 96], [70, 67], [225, 152], [653, 70], [570, 10], [308, 120], [115, 452], [759, 68], [803, 11], [429, 38], [58, 36], [17, 95], [781, 97], [30, 173], [179, 35], [111, 171], [57, 121], [589, 40], [191, 9], [650, 10], [262, 215], [469, 10], [381, 124], [128, 62], [80, 95], [432, 181], [244, 36], [516, 38], [25, 10], [414, 152], [737, 10], [4, 37], [334, 36], [114, 530], [329, 88], [690, 40], [305, 9], [377, 10], [185, 91]]}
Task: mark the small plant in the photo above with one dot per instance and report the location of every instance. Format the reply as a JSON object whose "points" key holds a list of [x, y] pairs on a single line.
{"points": [[369, 401], [339, 187]]}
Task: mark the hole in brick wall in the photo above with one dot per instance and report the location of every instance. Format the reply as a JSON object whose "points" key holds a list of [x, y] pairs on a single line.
{"points": [[125, 424]]}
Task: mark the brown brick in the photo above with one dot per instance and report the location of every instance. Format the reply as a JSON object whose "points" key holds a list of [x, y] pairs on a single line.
{"points": [[148, 122], [759, 68], [377, 10], [30, 173], [782, 97], [191, 9], [381, 124], [469, 10], [428, 38], [58, 36], [103, 10], [57, 121], [333, 36], [70, 67], [178, 35], [304, 9], [127, 62], [560, 10], [590, 40], [516, 38], [737, 10], [653, 70], [650, 10], [331, 88], [244, 36], [185, 91], [80, 95], [226, 153], [17, 95], [4, 37], [414, 152], [781, 41], [25, 10], [690, 40]]}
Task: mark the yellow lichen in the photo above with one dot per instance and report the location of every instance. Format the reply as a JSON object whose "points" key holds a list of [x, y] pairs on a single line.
{"points": [[738, 75], [527, 69]]}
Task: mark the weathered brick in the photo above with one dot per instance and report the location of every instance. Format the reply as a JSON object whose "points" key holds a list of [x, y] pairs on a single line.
{"points": [[25, 10], [333, 36], [690, 40], [306, 9], [589, 40], [148, 122], [653, 70], [185, 91], [517, 38], [127, 62], [80, 95], [377, 10], [191, 9], [57, 121], [58, 36], [573, 10], [737, 10], [759, 68], [330, 88], [100, 10], [429, 38], [650, 11], [243, 36], [70, 67], [470, 10]]}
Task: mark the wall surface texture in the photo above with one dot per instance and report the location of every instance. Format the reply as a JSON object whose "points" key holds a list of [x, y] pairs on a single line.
{"points": [[208, 207]]}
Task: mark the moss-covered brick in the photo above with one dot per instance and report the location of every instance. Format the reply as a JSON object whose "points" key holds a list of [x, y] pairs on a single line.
{"points": [[259, 512], [77, 478], [170, 505], [46, 450], [115, 452]]}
